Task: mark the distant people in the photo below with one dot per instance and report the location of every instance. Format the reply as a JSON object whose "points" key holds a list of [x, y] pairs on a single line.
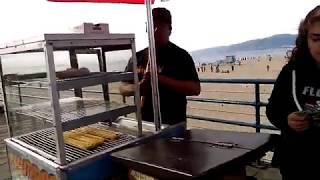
{"points": [[269, 57], [268, 67], [217, 68], [294, 96], [232, 67], [211, 67]]}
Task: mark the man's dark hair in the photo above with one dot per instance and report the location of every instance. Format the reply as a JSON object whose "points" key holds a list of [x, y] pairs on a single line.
{"points": [[162, 15]]}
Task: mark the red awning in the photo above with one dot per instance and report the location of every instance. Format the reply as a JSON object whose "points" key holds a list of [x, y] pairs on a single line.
{"points": [[105, 1]]}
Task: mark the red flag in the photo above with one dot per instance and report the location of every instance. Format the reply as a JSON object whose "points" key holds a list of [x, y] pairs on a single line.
{"points": [[105, 1]]}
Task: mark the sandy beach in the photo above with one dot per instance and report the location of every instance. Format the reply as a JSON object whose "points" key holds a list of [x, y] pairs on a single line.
{"points": [[249, 69]]}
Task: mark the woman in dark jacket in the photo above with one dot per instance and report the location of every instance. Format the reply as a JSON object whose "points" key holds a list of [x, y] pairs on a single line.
{"points": [[297, 88]]}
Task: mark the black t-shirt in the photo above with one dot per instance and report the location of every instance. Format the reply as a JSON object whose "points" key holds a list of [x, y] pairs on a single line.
{"points": [[175, 63]]}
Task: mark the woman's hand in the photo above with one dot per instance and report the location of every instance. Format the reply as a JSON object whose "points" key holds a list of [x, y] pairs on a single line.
{"points": [[298, 122]]}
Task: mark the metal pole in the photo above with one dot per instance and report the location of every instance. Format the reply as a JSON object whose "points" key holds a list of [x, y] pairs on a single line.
{"points": [[103, 68], [5, 101], [153, 69], [54, 95], [74, 64], [19, 92], [137, 88], [257, 106]]}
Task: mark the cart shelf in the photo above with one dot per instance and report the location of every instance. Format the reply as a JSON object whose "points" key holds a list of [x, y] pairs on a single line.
{"points": [[93, 79], [77, 112]]}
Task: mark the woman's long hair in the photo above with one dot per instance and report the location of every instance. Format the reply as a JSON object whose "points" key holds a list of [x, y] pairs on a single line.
{"points": [[301, 51]]}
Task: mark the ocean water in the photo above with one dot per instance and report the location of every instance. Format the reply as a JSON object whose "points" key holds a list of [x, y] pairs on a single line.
{"points": [[216, 56], [28, 63]]}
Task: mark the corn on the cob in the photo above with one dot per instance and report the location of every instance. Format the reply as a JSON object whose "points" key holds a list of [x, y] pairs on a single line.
{"points": [[108, 135], [79, 144]]}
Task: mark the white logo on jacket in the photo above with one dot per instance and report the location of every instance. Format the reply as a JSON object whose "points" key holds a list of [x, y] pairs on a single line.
{"points": [[311, 91]]}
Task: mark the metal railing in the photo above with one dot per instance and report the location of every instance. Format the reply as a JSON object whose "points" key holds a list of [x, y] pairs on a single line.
{"points": [[257, 104]]}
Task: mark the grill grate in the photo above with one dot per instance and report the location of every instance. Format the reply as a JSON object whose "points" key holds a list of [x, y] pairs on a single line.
{"points": [[71, 108], [43, 141]]}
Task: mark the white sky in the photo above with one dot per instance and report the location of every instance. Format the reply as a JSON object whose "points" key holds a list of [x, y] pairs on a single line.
{"points": [[196, 23]]}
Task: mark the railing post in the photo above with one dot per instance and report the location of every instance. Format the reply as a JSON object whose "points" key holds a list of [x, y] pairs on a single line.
{"points": [[257, 106], [19, 92]]}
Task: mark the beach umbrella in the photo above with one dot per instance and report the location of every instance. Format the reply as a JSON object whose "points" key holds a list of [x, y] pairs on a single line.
{"points": [[151, 49], [106, 1]]}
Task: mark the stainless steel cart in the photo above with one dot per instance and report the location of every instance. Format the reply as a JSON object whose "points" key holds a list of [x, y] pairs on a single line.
{"points": [[44, 151]]}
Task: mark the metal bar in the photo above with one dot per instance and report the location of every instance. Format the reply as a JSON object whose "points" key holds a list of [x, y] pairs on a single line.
{"points": [[35, 46], [153, 70], [5, 100], [223, 101], [137, 88], [112, 43], [53, 91], [5, 103], [257, 107], [232, 122], [215, 110], [86, 91], [28, 96], [74, 64], [239, 81], [92, 80], [19, 92], [103, 68], [87, 120]]}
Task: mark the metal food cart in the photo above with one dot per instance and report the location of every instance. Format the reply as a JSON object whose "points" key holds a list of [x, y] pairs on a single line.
{"points": [[43, 154]]}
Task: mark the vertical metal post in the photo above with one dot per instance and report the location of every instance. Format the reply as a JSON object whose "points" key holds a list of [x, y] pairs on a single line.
{"points": [[103, 68], [74, 64], [19, 92], [257, 106], [5, 101], [137, 88], [153, 70], [54, 95], [5, 107]]}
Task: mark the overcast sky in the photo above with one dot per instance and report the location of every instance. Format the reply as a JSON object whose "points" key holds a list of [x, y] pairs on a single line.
{"points": [[197, 24]]}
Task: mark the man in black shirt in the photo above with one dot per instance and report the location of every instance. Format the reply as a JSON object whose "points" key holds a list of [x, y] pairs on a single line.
{"points": [[177, 75]]}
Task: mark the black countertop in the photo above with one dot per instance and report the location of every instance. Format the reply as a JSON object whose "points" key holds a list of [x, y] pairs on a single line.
{"points": [[197, 154]]}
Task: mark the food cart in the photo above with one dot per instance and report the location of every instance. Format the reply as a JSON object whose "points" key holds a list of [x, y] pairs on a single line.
{"points": [[48, 152]]}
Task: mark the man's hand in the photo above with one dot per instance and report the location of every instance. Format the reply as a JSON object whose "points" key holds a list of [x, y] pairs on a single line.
{"points": [[298, 122], [145, 83]]}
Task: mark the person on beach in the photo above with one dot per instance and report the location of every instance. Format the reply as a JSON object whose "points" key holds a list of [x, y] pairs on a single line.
{"points": [[294, 104], [177, 75]]}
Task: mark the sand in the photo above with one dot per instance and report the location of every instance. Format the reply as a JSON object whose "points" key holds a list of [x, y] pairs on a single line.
{"points": [[249, 69]]}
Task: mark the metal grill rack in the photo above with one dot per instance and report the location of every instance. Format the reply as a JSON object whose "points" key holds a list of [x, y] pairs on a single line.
{"points": [[78, 109], [42, 142]]}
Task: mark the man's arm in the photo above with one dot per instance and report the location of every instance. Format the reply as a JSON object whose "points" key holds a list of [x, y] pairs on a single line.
{"points": [[126, 89], [186, 87]]}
